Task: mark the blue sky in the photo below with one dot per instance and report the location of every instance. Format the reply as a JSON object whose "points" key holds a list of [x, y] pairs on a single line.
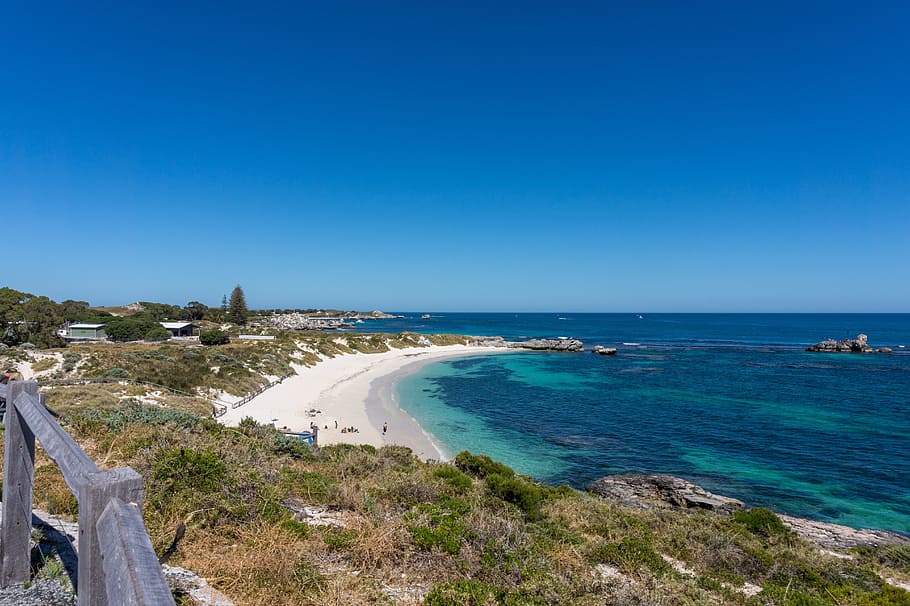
{"points": [[639, 156]]}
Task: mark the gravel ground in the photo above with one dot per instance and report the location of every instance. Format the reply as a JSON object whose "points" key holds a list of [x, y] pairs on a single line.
{"points": [[41, 592]]}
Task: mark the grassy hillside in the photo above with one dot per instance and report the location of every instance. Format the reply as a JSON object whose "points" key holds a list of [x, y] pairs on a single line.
{"points": [[470, 532]]}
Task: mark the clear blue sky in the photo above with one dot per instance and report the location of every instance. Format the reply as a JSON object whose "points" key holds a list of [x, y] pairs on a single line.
{"points": [[634, 156]]}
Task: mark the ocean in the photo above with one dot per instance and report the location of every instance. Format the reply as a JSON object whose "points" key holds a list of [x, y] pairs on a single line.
{"points": [[730, 401]]}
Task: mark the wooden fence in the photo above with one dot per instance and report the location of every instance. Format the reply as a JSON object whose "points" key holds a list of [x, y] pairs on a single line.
{"points": [[117, 564], [255, 393]]}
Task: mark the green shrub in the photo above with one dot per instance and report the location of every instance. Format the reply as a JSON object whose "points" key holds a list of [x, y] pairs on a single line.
{"points": [[214, 337], [464, 593], [893, 556], [338, 538], [480, 466], [761, 521], [116, 373], [181, 472], [630, 554], [157, 333], [115, 419], [299, 529], [444, 527], [453, 477], [130, 328], [515, 490], [888, 596]]}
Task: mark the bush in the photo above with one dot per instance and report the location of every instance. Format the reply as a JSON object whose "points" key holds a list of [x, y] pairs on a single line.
{"points": [[515, 490], [178, 474], [157, 333], [444, 527], [453, 477], [464, 593], [116, 373], [480, 466], [630, 554], [214, 337], [132, 328], [761, 521]]}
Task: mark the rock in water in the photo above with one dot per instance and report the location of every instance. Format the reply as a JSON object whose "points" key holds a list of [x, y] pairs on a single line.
{"points": [[604, 351], [661, 492], [858, 345], [533, 344], [551, 345]]}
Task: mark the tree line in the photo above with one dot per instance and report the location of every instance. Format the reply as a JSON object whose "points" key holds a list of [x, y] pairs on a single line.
{"points": [[35, 319]]}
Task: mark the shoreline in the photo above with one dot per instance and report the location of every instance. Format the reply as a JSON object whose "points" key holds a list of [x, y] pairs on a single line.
{"points": [[354, 390]]}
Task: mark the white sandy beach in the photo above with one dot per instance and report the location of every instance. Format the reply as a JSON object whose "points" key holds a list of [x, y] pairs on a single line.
{"points": [[354, 390]]}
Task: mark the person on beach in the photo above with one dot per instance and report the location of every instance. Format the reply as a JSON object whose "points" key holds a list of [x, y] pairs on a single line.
{"points": [[385, 427]]}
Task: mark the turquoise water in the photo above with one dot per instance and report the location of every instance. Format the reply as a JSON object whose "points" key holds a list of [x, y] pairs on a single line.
{"points": [[731, 402]]}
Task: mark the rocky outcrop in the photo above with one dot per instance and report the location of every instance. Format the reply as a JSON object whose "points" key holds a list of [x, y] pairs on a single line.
{"points": [[858, 345], [571, 345], [551, 345], [661, 492], [604, 351], [835, 536], [669, 492]]}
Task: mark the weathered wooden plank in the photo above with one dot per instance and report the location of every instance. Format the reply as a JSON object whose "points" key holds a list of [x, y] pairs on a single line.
{"points": [[18, 482], [58, 444], [131, 569], [95, 490]]}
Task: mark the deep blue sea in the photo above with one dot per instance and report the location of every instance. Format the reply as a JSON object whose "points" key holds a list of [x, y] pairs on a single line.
{"points": [[730, 401]]}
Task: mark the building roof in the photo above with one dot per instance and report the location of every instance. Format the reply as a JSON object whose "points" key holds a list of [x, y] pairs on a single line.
{"points": [[176, 325], [92, 326]]}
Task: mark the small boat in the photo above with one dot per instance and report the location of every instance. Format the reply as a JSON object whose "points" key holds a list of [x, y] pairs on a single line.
{"points": [[425, 317], [641, 317]]}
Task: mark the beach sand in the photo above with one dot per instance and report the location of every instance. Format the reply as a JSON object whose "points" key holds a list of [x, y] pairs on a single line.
{"points": [[354, 390]]}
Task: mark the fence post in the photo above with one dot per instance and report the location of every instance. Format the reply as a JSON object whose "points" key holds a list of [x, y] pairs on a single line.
{"points": [[18, 483], [95, 490], [129, 556]]}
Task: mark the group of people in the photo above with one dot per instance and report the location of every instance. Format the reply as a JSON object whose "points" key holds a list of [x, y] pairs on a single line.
{"points": [[351, 429]]}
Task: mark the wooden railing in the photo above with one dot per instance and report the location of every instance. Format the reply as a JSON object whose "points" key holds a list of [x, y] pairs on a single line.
{"points": [[256, 392], [117, 564]]}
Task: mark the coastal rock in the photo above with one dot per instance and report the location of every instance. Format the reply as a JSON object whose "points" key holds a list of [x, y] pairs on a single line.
{"points": [[572, 345], [604, 351], [835, 536], [645, 491], [858, 345], [665, 492], [551, 345]]}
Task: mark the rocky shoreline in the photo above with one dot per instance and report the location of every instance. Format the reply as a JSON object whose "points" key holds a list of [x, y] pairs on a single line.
{"points": [[651, 491]]}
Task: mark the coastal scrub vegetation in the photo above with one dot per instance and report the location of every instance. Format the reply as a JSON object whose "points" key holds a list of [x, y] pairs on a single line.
{"points": [[468, 532], [236, 368]]}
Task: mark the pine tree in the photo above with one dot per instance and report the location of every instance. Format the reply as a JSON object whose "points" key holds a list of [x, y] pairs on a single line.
{"points": [[237, 310]]}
